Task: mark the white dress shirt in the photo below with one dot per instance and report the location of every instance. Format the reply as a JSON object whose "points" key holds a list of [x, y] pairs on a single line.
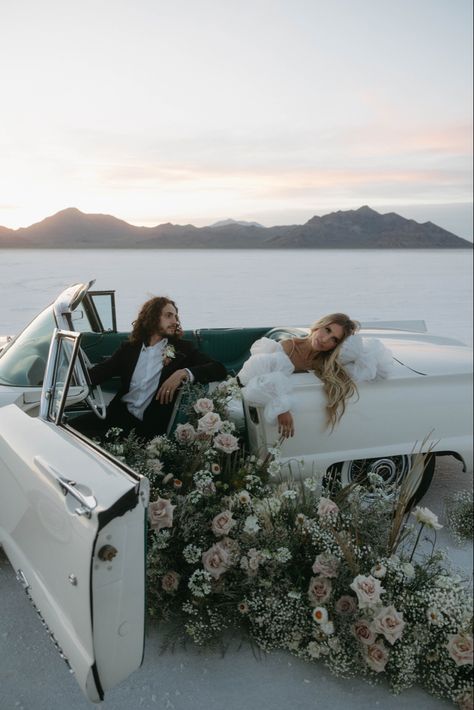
{"points": [[146, 377]]}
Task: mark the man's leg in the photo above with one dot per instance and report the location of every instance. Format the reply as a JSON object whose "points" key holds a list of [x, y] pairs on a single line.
{"points": [[117, 416]]}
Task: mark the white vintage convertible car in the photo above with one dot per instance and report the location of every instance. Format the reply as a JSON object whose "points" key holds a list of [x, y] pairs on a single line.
{"points": [[72, 517]]}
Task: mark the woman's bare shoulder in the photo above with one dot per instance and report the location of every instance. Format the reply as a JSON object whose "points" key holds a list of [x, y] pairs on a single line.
{"points": [[288, 346]]}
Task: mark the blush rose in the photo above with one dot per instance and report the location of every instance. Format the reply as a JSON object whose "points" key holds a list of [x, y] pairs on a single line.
{"points": [[160, 514]]}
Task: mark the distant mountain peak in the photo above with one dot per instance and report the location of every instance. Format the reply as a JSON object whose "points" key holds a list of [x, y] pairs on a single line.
{"points": [[230, 222], [365, 209]]}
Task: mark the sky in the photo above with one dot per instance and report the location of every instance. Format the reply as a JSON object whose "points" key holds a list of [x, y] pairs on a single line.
{"points": [[193, 111]]}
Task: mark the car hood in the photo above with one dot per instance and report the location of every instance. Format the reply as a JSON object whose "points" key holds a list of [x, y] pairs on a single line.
{"points": [[427, 354]]}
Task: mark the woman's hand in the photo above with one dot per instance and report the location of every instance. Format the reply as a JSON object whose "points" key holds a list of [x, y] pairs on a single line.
{"points": [[168, 389], [286, 426]]}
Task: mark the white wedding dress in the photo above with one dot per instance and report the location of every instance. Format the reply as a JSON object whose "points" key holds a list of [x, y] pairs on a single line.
{"points": [[266, 374]]}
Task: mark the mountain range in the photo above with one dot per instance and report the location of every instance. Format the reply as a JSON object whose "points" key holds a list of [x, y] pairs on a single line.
{"points": [[363, 228]]}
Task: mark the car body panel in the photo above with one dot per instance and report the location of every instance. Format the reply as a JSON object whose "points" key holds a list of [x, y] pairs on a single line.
{"points": [[387, 418], [72, 523]]}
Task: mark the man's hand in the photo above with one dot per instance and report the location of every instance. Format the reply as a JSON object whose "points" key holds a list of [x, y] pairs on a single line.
{"points": [[168, 389], [286, 426]]}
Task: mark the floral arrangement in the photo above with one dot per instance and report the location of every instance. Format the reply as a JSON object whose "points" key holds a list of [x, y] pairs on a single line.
{"points": [[460, 516], [331, 574]]}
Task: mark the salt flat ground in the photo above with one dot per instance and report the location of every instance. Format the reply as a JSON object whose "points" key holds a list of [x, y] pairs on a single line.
{"points": [[33, 677]]}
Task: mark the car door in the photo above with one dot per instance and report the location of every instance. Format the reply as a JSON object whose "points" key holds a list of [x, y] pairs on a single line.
{"points": [[72, 523]]}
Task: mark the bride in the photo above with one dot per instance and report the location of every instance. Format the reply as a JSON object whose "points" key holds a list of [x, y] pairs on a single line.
{"points": [[266, 374]]}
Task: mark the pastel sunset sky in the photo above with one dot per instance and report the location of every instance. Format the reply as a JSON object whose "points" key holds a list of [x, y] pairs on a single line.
{"points": [[192, 111]]}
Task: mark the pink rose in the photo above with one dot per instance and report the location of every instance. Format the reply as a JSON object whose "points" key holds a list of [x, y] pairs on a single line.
{"points": [[460, 648], [376, 656], [368, 590], [216, 560], [185, 434], [389, 622], [209, 424], [170, 581], [226, 443], [319, 590], [232, 548], [222, 523], [203, 405], [326, 565], [327, 507], [362, 630], [346, 605], [160, 514], [466, 700]]}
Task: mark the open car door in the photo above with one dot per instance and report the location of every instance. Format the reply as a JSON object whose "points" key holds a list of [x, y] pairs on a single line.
{"points": [[72, 523]]}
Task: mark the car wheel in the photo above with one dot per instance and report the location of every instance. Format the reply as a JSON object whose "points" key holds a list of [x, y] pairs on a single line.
{"points": [[393, 469]]}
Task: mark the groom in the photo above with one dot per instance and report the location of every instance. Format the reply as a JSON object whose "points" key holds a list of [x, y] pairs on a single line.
{"points": [[152, 365]]}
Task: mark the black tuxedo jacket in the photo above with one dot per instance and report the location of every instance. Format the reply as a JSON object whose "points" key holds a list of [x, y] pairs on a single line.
{"points": [[122, 364]]}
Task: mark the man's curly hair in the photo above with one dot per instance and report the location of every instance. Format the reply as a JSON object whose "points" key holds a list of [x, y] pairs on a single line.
{"points": [[148, 320]]}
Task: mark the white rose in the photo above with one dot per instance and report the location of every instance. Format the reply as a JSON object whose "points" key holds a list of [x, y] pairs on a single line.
{"points": [[319, 589], [460, 647], [160, 514], [426, 517], [379, 570], [210, 423], [408, 570], [222, 523], [254, 559], [216, 560], [389, 622], [328, 628], [376, 656], [185, 433], [251, 524], [203, 406], [327, 507], [227, 443], [368, 590], [327, 565]]}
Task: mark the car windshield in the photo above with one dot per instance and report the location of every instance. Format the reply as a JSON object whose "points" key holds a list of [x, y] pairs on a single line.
{"points": [[24, 362]]}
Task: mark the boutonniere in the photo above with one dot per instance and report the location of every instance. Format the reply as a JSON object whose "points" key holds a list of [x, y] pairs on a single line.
{"points": [[169, 353]]}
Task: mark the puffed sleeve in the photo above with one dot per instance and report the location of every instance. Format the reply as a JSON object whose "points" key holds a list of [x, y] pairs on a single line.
{"points": [[365, 358], [266, 377]]}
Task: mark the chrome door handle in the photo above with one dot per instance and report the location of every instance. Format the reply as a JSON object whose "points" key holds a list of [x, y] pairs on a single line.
{"points": [[87, 502]]}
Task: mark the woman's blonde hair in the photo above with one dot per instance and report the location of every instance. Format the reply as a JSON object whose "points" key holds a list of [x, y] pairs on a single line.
{"points": [[338, 385]]}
